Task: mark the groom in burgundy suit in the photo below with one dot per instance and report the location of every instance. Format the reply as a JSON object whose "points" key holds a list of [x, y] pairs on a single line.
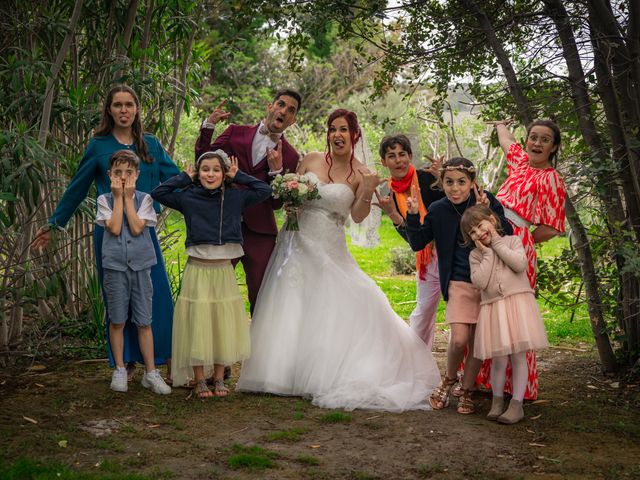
{"points": [[262, 152]]}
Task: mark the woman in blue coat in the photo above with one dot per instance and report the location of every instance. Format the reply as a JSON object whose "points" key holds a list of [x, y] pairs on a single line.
{"points": [[120, 128]]}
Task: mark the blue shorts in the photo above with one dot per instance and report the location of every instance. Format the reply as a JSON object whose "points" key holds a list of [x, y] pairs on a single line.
{"points": [[128, 289]]}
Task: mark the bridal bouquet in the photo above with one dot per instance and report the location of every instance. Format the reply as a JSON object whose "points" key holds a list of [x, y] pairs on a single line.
{"points": [[293, 189]]}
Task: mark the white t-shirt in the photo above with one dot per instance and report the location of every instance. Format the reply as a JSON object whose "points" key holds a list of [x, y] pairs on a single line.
{"points": [[145, 212]]}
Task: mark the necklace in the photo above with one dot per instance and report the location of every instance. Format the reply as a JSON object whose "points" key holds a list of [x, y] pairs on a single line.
{"points": [[455, 207]]}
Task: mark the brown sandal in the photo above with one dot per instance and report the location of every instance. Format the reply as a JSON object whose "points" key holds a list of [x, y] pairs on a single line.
{"points": [[439, 399], [465, 403]]}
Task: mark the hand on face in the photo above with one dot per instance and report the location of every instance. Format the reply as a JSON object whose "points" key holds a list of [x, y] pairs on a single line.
{"points": [[233, 167], [130, 185], [117, 185], [413, 204], [480, 246], [218, 113], [191, 171], [483, 233]]}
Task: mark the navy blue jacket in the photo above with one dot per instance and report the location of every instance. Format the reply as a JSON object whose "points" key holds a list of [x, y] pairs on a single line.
{"points": [[213, 217], [442, 224]]}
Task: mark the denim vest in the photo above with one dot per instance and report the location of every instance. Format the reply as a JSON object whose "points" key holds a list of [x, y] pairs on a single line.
{"points": [[125, 250]]}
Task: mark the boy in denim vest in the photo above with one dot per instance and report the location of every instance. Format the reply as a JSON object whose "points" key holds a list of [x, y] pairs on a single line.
{"points": [[127, 258]]}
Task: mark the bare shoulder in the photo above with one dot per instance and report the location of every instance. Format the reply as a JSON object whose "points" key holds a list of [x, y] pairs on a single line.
{"points": [[310, 162]]}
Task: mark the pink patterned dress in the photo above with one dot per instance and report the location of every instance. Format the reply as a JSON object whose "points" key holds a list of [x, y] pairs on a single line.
{"points": [[537, 196]]}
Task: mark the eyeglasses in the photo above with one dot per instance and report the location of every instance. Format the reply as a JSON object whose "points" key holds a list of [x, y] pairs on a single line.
{"points": [[543, 140]]}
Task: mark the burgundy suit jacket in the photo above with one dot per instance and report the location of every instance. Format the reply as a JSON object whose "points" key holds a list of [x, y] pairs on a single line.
{"points": [[237, 140]]}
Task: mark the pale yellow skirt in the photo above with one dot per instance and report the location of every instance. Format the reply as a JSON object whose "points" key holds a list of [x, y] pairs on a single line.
{"points": [[210, 324], [510, 325]]}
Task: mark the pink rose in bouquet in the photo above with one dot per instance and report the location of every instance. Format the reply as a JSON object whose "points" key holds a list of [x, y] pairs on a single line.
{"points": [[293, 190]]}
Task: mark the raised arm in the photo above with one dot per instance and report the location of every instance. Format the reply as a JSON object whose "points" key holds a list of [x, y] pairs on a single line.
{"points": [[505, 136], [361, 206], [481, 263], [203, 143], [511, 251], [167, 193]]}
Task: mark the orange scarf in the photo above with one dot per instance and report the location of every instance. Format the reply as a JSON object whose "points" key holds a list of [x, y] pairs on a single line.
{"points": [[401, 193]]}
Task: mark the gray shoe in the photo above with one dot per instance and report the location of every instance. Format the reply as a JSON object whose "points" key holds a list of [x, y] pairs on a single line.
{"points": [[119, 380], [497, 407], [154, 382], [514, 413]]}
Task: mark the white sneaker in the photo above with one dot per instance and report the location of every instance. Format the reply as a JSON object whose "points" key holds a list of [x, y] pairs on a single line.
{"points": [[119, 380], [154, 381]]}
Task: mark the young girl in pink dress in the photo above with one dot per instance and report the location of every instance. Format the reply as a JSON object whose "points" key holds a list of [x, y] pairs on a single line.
{"points": [[533, 195], [509, 322]]}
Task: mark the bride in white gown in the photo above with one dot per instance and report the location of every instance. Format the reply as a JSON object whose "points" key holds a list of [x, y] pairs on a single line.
{"points": [[321, 327]]}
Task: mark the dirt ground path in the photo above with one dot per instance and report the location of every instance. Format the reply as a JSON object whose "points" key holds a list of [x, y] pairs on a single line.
{"points": [[583, 426]]}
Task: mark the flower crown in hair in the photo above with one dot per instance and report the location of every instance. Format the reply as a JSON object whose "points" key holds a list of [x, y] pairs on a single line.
{"points": [[470, 169], [218, 153]]}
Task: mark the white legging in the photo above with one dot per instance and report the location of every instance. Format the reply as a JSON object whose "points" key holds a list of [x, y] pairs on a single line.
{"points": [[499, 374]]}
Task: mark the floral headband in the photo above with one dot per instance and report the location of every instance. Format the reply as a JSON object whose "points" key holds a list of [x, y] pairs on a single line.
{"points": [[470, 169], [217, 153]]}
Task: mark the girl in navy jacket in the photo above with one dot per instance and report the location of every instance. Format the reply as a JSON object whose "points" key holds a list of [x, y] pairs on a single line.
{"points": [[442, 224], [210, 326]]}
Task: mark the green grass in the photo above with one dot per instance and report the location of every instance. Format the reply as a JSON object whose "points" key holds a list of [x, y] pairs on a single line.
{"points": [[563, 322], [251, 457], [291, 435], [27, 469], [336, 417]]}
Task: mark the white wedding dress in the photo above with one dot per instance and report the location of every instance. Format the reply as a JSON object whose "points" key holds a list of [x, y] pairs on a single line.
{"points": [[323, 329]]}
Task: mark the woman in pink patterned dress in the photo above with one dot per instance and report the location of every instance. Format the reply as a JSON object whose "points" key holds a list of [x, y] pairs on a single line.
{"points": [[533, 195]]}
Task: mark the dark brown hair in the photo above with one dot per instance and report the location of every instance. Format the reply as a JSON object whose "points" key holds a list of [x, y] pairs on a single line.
{"points": [[124, 156], [472, 217], [391, 141], [107, 123], [550, 124], [289, 93], [354, 134]]}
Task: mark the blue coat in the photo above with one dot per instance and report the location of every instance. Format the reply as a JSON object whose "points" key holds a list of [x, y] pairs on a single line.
{"points": [[442, 224]]}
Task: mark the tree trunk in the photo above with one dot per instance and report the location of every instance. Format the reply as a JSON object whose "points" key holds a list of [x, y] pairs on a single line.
{"points": [[126, 35], [55, 69], [609, 46], [146, 34], [503, 59], [177, 112], [594, 303]]}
